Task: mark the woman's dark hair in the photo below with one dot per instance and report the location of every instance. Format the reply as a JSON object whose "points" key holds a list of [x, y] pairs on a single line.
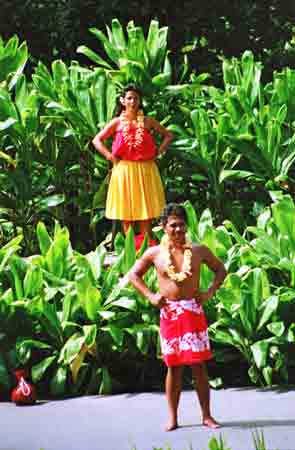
{"points": [[173, 209], [128, 88]]}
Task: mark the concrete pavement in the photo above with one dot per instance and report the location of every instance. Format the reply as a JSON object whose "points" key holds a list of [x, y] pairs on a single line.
{"points": [[129, 421]]}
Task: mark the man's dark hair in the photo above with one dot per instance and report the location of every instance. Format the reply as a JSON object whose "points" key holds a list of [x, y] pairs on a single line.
{"points": [[173, 209]]}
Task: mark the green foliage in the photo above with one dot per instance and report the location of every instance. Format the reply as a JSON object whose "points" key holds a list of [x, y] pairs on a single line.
{"points": [[13, 58], [219, 443], [239, 135], [79, 315], [135, 59], [249, 303]]}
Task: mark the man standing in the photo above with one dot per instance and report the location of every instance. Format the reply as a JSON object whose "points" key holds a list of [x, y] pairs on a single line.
{"points": [[183, 326]]}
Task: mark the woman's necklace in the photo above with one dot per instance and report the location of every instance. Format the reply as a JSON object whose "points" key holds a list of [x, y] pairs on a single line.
{"points": [[132, 139], [187, 260]]}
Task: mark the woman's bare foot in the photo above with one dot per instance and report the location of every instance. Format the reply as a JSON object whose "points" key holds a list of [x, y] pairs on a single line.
{"points": [[210, 422], [171, 426]]}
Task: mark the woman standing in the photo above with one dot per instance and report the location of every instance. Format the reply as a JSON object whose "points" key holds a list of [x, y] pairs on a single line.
{"points": [[135, 191]]}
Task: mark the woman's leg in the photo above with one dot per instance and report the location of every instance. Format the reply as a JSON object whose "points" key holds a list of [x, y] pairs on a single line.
{"points": [[125, 225], [145, 226]]}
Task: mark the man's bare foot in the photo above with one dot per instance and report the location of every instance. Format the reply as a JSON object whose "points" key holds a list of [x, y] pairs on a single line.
{"points": [[210, 422], [171, 426]]}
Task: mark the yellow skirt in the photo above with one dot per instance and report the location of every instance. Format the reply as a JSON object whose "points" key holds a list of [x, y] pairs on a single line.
{"points": [[135, 191]]}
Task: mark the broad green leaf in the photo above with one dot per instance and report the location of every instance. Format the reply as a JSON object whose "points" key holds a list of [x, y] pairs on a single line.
{"points": [[129, 257], [58, 382], [90, 332], [51, 321], [7, 123], [89, 296], [93, 56], [18, 285], [5, 381], [71, 349], [126, 303], [99, 198], [253, 374], [144, 246], [116, 333], [96, 260], [227, 174], [118, 34], [107, 315], [205, 222], [267, 373], [276, 328], [33, 281], [51, 201], [106, 382], [38, 370], [268, 308], [44, 239], [291, 333], [55, 259], [192, 220], [24, 348], [142, 340], [60, 72], [77, 362], [223, 337], [260, 353]]}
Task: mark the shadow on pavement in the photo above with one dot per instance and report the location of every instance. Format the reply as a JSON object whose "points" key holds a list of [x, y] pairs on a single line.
{"points": [[244, 424]]}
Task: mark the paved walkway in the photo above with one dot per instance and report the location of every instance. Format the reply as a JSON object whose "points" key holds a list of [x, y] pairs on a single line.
{"points": [[129, 421]]}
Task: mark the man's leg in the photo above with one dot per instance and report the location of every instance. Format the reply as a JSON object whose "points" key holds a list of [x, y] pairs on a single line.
{"points": [[203, 391], [173, 391]]}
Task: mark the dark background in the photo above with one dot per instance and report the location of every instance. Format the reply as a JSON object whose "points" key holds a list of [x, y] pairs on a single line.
{"points": [[204, 29]]}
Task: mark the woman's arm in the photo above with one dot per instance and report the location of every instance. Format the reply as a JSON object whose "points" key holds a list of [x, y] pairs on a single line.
{"points": [[104, 134], [166, 134]]}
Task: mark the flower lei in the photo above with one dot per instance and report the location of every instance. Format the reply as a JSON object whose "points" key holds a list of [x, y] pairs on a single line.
{"points": [[133, 140], [187, 260]]}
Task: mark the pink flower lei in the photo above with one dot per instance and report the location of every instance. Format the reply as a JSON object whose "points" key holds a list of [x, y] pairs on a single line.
{"points": [[133, 140]]}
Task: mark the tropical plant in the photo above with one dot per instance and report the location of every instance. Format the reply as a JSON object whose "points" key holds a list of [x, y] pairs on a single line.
{"points": [[13, 58], [259, 115], [82, 318], [219, 443], [132, 57], [242, 133], [248, 320], [26, 191], [77, 104], [252, 308]]}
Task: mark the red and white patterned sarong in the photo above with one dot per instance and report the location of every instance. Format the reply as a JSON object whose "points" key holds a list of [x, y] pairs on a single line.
{"points": [[183, 333]]}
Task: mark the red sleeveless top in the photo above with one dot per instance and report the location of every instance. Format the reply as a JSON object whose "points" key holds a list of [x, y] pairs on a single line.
{"points": [[145, 151]]}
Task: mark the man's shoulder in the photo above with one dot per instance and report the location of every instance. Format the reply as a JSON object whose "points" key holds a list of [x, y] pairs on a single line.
{"points": [[152, 252], [199, 249]]}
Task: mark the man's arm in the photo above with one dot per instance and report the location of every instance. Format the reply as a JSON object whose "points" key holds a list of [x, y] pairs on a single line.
{"points": [[136, 277], [217, 267]]}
